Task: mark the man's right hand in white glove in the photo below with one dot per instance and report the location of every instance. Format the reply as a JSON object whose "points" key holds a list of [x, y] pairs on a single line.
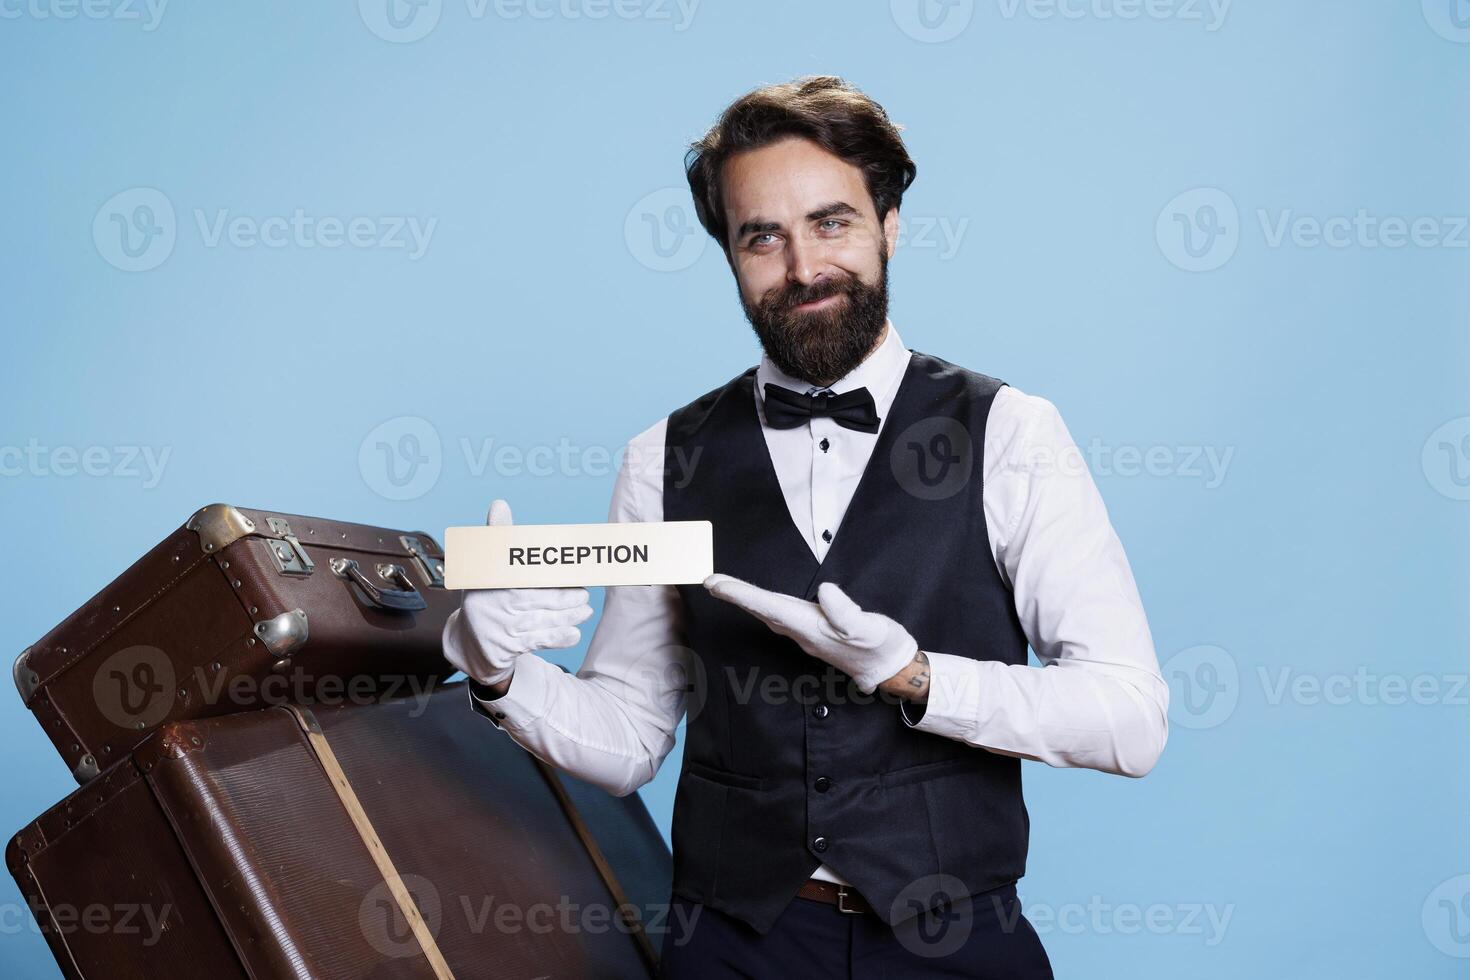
{"points": [[492, 627]]}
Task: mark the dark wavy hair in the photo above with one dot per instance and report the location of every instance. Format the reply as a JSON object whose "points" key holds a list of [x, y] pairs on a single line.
{"points": [[822, 108]]}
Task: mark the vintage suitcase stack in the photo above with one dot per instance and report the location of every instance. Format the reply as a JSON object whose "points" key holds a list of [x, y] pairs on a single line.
{"points": [[356, 820]]}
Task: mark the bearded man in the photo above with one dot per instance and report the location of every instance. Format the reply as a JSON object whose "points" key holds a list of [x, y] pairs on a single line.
{"points": [[891, 532]]}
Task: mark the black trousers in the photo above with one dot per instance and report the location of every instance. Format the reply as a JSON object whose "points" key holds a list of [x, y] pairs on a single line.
{"points": [[984, 935]]}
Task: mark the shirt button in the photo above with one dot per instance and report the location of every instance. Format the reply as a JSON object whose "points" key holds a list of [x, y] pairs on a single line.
{"points": [[825, 444], [500, 714], [819, 845], [827, 536], [822, 784], [820, 711]]}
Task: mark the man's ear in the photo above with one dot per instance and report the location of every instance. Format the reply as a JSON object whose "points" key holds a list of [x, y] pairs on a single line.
{"points": [[890, 230]]}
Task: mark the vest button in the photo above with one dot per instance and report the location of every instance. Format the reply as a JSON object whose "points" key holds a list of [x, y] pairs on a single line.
{"points": [[822, 784], [819, 845], [820, 711]]}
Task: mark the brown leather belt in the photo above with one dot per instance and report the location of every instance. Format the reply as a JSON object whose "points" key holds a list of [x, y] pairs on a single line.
{"points": [[845, 897]]}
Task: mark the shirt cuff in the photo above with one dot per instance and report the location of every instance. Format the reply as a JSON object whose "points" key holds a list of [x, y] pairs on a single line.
{"points": [[524, 702], [954, 696]]}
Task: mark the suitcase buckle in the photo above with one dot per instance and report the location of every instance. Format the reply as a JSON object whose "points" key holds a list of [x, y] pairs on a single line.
{"points": [[290, 558], [430, 567]]}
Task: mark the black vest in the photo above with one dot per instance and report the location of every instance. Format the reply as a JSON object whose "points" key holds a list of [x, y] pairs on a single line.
{"points": [[786, 763]]}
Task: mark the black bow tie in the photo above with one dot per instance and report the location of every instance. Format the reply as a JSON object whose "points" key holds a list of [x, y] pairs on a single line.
{"points": [[786, 409]]}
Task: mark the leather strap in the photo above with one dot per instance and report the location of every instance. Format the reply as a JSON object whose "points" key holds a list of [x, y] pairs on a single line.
{"points": [[350, 802], [845, 897], [626, 910]]}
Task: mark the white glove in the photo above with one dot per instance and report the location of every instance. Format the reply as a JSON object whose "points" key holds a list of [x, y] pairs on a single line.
{"points": [[869, 647], [492, 627]]}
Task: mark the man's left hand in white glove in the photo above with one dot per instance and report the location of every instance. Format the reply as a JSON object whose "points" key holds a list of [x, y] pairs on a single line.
{"points": [[867, 646]]}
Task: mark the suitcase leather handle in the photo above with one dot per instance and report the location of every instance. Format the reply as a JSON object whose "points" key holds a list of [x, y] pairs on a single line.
{"points": [[404, 598]]}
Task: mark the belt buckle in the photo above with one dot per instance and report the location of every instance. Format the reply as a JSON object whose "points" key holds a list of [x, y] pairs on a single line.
{"points": [[842, 893]]}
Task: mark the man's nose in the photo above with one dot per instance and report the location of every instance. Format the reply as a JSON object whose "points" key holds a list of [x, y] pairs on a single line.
{"points": [[805, 261]]}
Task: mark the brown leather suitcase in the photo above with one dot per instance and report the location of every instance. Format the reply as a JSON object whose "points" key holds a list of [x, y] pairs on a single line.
{"points": [[407, 839], [238, 609]]}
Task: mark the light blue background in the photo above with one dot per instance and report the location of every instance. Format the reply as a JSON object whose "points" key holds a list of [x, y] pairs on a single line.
{"points": [[1332, 835]]}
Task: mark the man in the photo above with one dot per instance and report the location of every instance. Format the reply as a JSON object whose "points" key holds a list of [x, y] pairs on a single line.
{"points": [[890, 531]]}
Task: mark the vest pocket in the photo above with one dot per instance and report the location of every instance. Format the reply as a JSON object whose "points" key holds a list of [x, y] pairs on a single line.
{"points": [[724, 777], [924, 770]]}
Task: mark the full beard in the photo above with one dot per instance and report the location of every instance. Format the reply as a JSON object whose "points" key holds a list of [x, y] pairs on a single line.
{"points": [[821, 346]]}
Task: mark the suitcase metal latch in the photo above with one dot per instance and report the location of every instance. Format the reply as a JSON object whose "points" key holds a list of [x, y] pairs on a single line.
{"points": [[290, 557], [431, 567]]}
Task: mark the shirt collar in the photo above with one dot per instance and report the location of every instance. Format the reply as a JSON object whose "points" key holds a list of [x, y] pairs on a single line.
{"points": [[878, 372]]}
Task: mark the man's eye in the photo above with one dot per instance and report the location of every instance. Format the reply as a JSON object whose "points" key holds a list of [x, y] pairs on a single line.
{"points": [[832, 224], [760, 240]]}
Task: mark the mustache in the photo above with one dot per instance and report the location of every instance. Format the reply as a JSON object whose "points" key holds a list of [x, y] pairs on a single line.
{"points": [[796, 294]]}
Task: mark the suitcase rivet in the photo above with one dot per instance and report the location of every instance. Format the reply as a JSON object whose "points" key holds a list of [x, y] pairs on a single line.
{"points": [[250, 642], [195, 740], [117, 608], [214, 666], [237, 583], [253, 610], [140, 726], [75, 747], [224, 564]]}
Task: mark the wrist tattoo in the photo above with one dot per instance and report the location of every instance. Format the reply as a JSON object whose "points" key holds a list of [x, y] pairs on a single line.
{"points": [[921, 678]]}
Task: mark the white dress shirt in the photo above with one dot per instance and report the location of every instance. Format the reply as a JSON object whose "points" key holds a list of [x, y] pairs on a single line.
{"points": [[1097, 701]]}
